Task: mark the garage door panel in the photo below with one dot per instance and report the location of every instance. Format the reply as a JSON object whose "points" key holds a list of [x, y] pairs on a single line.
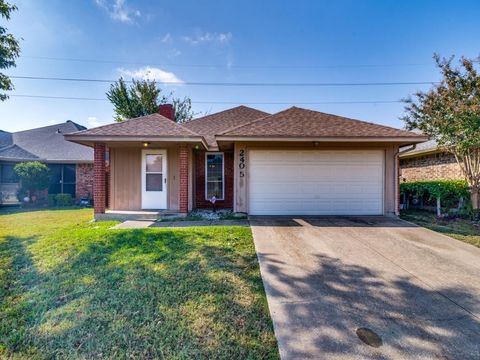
{"points": [[316, 182]]}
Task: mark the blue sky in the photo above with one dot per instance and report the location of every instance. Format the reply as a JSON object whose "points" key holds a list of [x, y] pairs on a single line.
{"points": [[233, 41]]}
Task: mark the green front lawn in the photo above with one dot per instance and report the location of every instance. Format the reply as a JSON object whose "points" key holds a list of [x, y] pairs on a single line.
{"points": [[460, 229], [74, 289]]}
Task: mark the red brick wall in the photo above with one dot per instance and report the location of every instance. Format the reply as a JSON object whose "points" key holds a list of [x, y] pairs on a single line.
{"points": [[440, 166], [99, 179], [183, 170], [200, 201], [84, 178]]}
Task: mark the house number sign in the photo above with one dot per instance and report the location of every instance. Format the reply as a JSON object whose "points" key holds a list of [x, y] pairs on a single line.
{"points": [[241, 163]]}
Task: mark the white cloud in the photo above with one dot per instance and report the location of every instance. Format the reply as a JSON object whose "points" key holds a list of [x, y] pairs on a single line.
{"points": [[152, 73], [118, 10], [167, 38], [174, 53], [206, 37], [92, 122]]}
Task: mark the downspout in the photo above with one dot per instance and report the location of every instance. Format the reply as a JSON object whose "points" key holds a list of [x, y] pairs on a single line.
{"points": [[397, 176]]}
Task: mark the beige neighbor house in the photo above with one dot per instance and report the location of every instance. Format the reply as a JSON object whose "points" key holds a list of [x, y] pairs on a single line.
{"points": [[428, 162], [296, 161]]}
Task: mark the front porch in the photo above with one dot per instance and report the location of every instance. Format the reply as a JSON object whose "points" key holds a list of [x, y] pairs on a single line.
{"points": [[145, 180]]}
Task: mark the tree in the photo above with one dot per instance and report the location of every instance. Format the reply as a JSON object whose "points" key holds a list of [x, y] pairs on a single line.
{"points": [[450, 113], [143, 98], [9, 49], [34, 176]]}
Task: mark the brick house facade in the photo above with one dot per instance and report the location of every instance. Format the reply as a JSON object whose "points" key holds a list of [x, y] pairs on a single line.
{"points": [[430, 166], [294, 162]]}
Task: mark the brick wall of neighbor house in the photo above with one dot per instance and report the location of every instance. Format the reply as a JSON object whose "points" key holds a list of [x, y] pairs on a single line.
{"points": [[84, 179], [440, 166], [200, 201]]}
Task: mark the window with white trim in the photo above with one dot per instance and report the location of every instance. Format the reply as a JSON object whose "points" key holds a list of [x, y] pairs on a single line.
{"points": [[214, 176]]}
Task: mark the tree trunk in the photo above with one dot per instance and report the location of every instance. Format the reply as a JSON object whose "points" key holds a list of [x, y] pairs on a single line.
{"points": [[439, 207], [470, 165], [474, 196]]}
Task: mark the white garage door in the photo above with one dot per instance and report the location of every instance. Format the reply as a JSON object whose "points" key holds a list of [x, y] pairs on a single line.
{"points": [[316, 182]]}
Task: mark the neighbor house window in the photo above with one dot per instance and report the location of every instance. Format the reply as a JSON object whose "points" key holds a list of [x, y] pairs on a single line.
{"points": [[214, 176], [62, 179], [7, 175]]}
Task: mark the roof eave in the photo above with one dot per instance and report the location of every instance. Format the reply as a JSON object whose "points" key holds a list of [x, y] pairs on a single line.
{"points": [[405, 140], [89, 140], [416, 153], [17, 159]]}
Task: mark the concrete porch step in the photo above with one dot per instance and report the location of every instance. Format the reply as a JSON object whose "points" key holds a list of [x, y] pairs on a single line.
{"points": [[139, 215]]}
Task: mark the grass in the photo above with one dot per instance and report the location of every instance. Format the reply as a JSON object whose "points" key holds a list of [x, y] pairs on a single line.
{"points": [[70, 288], [461, 229]]}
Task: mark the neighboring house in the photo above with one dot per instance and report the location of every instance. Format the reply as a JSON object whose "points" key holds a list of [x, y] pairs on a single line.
{"points": [[428, 162], [71, 165], [296, 161]]}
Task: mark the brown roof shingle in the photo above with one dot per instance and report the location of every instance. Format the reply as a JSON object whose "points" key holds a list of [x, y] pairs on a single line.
{"points": [[298, 122], [210, 125], [149, 125]]}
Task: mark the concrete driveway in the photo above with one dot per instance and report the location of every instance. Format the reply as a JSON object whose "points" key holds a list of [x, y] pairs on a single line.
{"points": [[325, 278]]}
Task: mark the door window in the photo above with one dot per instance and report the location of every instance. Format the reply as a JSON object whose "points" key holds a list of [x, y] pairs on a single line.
{"points": [[153, 172]]}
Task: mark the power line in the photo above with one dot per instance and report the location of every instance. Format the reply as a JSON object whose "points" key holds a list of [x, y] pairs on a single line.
{"points": [[221, 102], [245, 84], [214, 66]]}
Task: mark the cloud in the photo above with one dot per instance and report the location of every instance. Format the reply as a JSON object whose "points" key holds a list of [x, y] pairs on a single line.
{"points": [[118, 10], [92, 122], [174, 53], [152, 73], [167, 38], [206, 37]]}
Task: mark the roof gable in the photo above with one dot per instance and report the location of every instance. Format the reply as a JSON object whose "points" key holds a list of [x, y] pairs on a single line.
{"points": [[16, 153], [5, 138], [212, 124], [48, 143], [149, 125], [298, 122]]}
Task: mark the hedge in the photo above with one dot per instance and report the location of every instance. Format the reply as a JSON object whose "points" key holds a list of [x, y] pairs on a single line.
{"points": [[437, 189], [446, 193]]}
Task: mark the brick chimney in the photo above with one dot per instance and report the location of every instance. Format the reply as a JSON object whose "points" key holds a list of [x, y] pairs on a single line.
{"points": [[167, 110]]}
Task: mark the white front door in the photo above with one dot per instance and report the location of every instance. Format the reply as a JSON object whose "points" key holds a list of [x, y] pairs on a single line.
{"points": [[154, 179]]}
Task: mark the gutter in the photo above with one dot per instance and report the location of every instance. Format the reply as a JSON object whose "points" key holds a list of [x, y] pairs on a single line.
{"points": [[397, 175], [407, 140], [88, 140]]}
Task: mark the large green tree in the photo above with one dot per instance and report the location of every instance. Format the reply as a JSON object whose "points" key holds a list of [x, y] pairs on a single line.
{"points": [[450, 113], [9, 48], [143, 97]]}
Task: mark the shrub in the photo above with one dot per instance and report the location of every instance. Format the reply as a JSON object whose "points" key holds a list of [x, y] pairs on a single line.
{"points": [[34, 176], [51, 199], [449, 193], [63, 200]]}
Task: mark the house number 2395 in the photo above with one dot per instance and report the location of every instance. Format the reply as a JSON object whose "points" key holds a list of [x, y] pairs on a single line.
{"points": [[241, 162]]}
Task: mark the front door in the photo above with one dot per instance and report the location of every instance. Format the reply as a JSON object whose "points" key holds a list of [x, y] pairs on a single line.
{"points": [[154, 179]]}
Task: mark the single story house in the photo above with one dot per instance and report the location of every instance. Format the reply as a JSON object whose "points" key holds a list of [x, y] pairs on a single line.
{"points": [[71, 165], [429, 162], [296, 161]]}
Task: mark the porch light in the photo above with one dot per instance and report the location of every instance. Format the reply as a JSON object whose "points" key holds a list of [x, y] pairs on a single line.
{"points": [[146, 144]]}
